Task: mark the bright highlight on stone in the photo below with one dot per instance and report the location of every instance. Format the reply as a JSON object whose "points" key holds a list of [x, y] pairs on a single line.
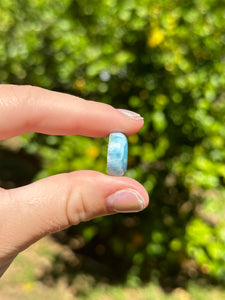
{"points": [[117, 154]]}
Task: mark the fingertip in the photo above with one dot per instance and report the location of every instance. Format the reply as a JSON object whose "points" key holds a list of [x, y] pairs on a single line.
{"points": [[132, 120], [139, 188], [110, 184], [106, 185]]}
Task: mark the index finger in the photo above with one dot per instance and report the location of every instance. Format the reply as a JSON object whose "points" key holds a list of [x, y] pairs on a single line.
{"points": [[31, 109]]}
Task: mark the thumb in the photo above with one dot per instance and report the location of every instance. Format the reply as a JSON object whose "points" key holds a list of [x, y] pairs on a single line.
{"points": [[54, 203]]}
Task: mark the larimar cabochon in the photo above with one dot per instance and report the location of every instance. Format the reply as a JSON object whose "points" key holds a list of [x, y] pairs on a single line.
{"points": [[117, 154]]}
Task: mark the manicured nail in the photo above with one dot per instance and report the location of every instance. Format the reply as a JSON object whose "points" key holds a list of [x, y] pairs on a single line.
{"points": [[131, 114], [128, 200]]}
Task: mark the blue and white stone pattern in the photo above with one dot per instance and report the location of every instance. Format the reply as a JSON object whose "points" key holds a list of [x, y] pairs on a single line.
{"points": [[117, 154]]}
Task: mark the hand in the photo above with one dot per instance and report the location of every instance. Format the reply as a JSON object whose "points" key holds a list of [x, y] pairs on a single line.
{"points": [[57, 202]]}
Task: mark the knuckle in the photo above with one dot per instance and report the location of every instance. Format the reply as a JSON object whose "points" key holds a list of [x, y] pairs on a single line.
{"points": [[76, 204], [22, 93], [29, 96]]}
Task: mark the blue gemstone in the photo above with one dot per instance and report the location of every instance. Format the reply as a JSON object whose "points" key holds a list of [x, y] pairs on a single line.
{"points": [[117, 154]]}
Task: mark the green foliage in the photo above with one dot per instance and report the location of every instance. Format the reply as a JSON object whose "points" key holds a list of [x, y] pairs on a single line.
{"points": [[165, 60]]}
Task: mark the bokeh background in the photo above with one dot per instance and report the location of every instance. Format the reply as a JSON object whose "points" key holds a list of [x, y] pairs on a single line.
{"points": [[165, 60]]}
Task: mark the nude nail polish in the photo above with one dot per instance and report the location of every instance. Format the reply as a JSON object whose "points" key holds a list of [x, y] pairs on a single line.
{"points": [[124, 201], [131, 114]]}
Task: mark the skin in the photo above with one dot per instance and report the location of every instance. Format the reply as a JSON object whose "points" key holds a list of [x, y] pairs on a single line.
{"points": [[52, 204]]}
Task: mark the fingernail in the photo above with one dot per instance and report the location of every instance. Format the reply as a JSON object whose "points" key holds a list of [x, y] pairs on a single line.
{"points": [[131, 114], [128, 200]]}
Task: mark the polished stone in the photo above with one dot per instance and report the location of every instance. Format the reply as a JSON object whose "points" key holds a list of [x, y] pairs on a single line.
{"points": [[117, 154]]}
